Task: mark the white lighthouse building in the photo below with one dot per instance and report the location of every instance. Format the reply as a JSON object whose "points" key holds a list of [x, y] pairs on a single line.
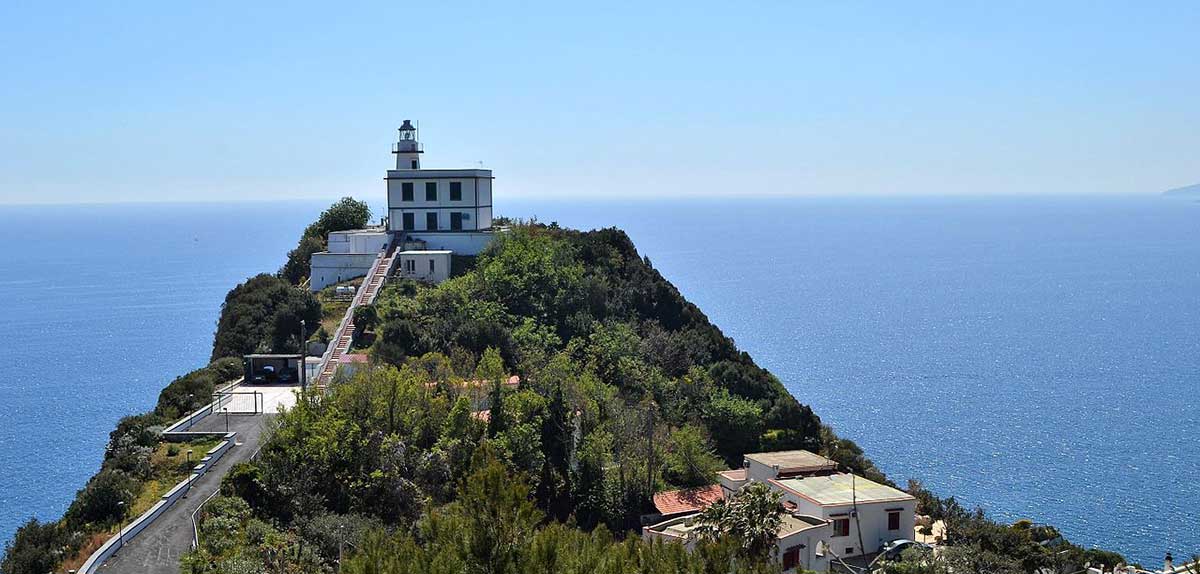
{"points": [[447, 208], [432, 214]]}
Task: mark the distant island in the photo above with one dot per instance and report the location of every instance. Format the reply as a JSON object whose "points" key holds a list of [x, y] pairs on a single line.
{"points": [[1186, 191]]}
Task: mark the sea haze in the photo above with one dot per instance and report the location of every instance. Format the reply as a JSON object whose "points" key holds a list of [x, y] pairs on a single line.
{"points": [[1036, 356]]}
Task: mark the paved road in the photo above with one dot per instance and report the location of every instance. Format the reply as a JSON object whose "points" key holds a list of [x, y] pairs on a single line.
{"points": [[156, 550]]}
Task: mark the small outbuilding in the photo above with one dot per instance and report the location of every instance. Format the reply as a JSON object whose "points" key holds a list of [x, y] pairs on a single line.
{"points": [[268, 369], [431, 265]]}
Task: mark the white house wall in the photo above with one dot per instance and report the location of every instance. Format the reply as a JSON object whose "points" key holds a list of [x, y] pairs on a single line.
{"points": [[460, 243], [871, 516], [330, 268], [475, 203], [357, 242]]}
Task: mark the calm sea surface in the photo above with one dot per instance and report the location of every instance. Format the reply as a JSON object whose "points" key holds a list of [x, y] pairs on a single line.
{"points": [[1039, 357]]}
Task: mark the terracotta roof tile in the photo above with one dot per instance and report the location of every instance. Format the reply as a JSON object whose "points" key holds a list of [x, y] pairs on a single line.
{"points": [[689, 500]]}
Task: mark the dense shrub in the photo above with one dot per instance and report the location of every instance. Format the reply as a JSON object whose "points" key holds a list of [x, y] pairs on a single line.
{"points": [[104, 500], [263, 315], [347, 213], [193, 390], [36, 547]]}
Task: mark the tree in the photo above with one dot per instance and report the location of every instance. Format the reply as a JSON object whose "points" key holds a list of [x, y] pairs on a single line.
{"points": [[37, 547], [366, 317], [104, 500], [490, 371], [735, 423], [346, 213], [689, 460], [263, 314], [299, 260], [751, 519], [498, 516]]}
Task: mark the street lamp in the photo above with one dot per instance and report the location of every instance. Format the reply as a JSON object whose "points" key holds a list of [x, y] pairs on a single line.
{"points": [[191, 475], [303, 358], [121, 527]]}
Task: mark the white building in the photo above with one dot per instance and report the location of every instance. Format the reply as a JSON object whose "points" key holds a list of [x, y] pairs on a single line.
{"points": [[858, 515], [798, 541], [432, 266], [350, 254], [432, 214], [864, 514], [449, 209]]}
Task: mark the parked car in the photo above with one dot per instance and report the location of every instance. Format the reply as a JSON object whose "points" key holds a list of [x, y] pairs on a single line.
{"points": [[265, 374]]}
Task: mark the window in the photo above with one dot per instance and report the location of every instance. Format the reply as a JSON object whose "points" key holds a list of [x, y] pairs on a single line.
{"points": [[406, 191], [431, 191], [456, 191], [431, 221], [407, 223], [456, 221], [431, 266], [410, 265], [841, 527], [414, 164], [893, 520]]}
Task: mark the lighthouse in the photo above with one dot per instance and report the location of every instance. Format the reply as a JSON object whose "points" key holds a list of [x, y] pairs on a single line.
{"points": [[407, 149], [433, 214], [449, 209]]}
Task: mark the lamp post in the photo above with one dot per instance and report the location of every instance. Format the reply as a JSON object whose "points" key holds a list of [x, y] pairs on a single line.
{"points": [[191, 475], [303, 358], [226, 411], [191, 401], [121, 527]]}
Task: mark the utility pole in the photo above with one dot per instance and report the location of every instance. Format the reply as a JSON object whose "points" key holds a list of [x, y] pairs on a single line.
{"points": [[650, 450], [303, 359]]}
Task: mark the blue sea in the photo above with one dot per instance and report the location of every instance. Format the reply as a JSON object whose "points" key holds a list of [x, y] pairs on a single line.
{"points": [[1036, 356]]}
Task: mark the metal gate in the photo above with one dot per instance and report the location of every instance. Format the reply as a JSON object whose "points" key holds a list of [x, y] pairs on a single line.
{"points": [[238, 402]]}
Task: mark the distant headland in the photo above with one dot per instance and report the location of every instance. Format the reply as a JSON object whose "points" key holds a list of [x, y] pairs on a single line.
{"points": [[1186, 191]]}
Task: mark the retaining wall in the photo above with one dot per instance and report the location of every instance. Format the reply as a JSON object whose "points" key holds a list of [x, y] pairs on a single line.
{"points": [[127, 533]]}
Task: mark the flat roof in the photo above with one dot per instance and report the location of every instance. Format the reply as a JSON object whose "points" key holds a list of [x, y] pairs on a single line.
{"points": [[270, 356], [437, 173], [735, 474], [682, 526], [427, 252], [841, 488], [793, 460]]}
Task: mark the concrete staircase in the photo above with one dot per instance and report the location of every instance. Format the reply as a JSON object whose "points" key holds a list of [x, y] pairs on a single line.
{"points": [[366, 294]]}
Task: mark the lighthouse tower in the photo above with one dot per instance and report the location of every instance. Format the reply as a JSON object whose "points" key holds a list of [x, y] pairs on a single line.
{"points": [[408, 150]]}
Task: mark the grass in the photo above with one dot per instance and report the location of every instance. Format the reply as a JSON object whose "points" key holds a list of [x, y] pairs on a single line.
{"points": [[167, 470]]}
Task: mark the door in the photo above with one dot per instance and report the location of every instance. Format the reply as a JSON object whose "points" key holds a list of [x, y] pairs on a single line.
{"points": [[431, 221], [456, 221]]}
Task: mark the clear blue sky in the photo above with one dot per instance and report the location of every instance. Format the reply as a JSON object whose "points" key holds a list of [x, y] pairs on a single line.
{"points": [[241, 100]]}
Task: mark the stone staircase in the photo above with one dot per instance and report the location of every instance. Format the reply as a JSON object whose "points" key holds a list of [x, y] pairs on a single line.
{"points": [[366, 294]]}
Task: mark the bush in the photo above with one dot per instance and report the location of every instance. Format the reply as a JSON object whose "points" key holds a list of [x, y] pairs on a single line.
{"points": [[37, 547], [105, 499], [263, 315], [193, 390], [347, 213]]}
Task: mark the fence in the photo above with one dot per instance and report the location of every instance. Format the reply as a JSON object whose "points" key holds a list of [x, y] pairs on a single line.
{"points": [[238, 402]]}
